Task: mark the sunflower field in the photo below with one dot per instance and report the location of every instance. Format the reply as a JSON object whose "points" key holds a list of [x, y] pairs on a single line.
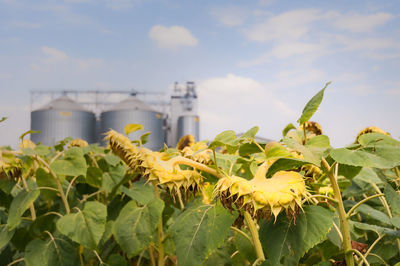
{"points": [[229, 201]]}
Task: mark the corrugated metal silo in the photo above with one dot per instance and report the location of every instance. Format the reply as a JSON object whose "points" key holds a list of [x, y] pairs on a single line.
{"points": [[62, 118], [134, 111], [188, 124]]}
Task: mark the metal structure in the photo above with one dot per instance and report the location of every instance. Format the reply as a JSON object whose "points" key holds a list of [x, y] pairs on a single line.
{"points": [[134, 111], [188, 124], [62, 118], [167, 117]]}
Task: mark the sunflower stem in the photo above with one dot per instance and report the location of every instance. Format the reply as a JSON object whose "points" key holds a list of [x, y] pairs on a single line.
{"points": [[254, 235], [196, 165], [160, 233], [344, 225]]}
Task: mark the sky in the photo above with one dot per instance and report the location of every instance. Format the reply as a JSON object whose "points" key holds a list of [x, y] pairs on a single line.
{"points": [[255, 63]]}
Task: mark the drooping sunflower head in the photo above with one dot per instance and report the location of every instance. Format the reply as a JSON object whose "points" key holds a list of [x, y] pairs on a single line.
{"points": [[198, 152], [27, 143], [10, 167], [123, 147], [77, 143], [168, 174], [371, 129], [263, 196], [185, 141], [312, 127]]}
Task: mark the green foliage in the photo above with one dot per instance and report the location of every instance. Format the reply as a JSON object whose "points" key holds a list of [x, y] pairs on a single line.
{"points": [[85, 206], [293, 238], [199, 230]]}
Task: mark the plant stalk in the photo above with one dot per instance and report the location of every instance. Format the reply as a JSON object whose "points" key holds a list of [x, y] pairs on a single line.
{"points": [[160, 234], [199, 166], [31, 206], [59, 186], [344, 225], [361, 202], [254, 235]]}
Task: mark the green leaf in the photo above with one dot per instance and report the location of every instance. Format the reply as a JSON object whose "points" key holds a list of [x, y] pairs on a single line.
{"points": [[44, 179], [51, 252], [73, 164], [312, 106], [145, 138], [199, 230], [111, 179], [129, 128], [134, 227], [3, 119], [140, 191], [5, 235], [19, 205], [226, 138], [277, 151], [287, 129], [377, 139], [284, 238], [311, 155], [375, 228], [285, 164], [393, 199], [372, 213], [250, 134], [379, 157], [116, 260], [112, 159], [85, 227], [94, 176]]}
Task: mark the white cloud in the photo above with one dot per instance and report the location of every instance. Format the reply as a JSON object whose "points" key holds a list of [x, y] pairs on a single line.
{"points": [[362, 23], [290, 25], [238, 103], [230, 16], [172, 37], [55, 58]]}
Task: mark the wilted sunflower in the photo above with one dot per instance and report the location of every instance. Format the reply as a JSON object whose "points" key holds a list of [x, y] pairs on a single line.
{"points": [[168, 173], [157, 167], [10, 167], [77, 143], [262, 196], [312, 128], [27, 143], [371, 130], [198, 152]]}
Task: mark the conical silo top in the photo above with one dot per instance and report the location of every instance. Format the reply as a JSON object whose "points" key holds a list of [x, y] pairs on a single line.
{"points": [[63, 103], [131, 103]]}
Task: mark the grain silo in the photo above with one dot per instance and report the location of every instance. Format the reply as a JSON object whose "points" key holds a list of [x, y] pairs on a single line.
{"points": [[134, 111], [188, 124], [62, 118]]}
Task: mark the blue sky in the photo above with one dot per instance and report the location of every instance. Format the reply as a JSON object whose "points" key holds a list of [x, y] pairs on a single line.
{"points": [[254, 62]]}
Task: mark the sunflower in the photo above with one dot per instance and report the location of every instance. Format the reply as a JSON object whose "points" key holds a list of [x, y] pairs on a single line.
{"points": [[78, 143], [312, 128], [262, 196], [27, 143]]}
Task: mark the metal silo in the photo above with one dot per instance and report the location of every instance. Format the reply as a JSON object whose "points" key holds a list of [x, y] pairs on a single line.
{"points": [[134, 111], [188, 124], [62, 118]]}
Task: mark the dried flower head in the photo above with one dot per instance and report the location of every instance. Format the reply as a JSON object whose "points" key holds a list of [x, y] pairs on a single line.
{"points": [[371, 130], [27, 143], [263, 196], [77, 143], [185, 141], [313, 128], [198, 152]]}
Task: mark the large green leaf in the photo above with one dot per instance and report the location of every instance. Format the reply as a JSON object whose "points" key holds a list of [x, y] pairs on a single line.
{"points": [[199, 230], [5, 235], [227, 139], [310, 155], [94, 176], [286, 238], [135, 225], [73, 163], [19, 205], [45, 179], [140, 191], [249, 135], [378, 157], [376, 228], [85, 227], [372, 213], [277, 150], [285, 164], [51, 252], [312, 106], [377, 139], [393, 199], [112, 179]]}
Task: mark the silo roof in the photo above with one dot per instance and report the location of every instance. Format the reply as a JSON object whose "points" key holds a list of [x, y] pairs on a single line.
{"points": [[63, 103], [131, 103]]}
